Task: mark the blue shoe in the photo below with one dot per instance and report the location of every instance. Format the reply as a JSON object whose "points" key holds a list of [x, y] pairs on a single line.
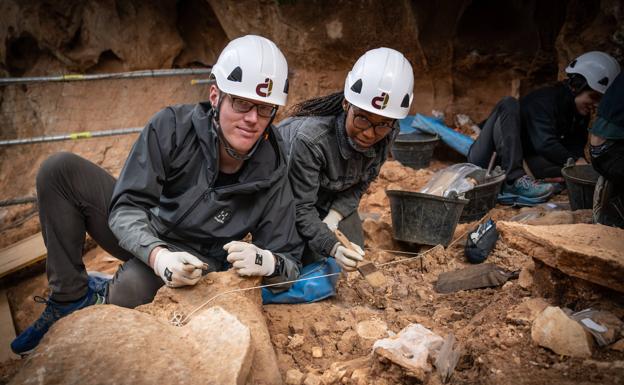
{"points": [[98, 282], [528, 187], [30, 338]]}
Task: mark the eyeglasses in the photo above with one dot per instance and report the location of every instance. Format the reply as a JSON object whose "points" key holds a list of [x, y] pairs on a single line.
{"points": [[242, 106], [362, 123]]}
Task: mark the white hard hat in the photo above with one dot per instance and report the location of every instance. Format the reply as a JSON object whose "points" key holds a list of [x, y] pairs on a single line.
{"points": [[598, 68], [252, 67], [381, 82]]}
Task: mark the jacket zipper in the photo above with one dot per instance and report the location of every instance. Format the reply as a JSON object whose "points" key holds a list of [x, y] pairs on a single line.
{"points": [[203, 196]]}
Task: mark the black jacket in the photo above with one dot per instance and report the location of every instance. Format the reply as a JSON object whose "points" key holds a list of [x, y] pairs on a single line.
{"points": [[165, 194], [326, 173], [551, 126]]}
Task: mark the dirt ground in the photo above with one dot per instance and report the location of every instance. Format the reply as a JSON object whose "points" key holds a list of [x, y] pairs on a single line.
{"points": [[495, 349]]}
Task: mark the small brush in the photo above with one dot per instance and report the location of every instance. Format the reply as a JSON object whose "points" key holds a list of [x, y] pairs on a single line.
{"points": [[366, 268]]}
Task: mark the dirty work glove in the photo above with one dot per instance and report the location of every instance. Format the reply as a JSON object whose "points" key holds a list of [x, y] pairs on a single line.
{"points": [[347, 259], [332, 219], [249, 259], [178, 268]]}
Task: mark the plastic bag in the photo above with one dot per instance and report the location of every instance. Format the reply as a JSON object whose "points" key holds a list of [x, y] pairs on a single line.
{"points": [[453, 178]]}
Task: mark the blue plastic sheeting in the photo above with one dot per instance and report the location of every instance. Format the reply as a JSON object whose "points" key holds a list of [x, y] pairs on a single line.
{"points": [[457, 141], [310, 290]]}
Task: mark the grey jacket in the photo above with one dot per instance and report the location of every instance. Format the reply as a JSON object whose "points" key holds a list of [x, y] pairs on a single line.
{"points": [[165, 194], [327, 173]]}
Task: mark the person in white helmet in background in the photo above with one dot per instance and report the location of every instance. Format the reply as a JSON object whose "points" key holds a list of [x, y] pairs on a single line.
{"points": [[545, 128], [197, 181], [337, 145]]}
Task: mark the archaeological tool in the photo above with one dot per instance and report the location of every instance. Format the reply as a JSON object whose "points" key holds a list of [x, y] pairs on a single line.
{"points": [[366, 268]]}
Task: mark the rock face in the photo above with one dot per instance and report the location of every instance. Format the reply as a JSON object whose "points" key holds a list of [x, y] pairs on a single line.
{"points": [[591, 252], [558, 332], [84, 347]]}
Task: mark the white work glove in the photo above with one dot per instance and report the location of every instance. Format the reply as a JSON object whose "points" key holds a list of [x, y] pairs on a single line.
{"points": [[178, 268], [249, 259], [347, 259], [332, 219]]}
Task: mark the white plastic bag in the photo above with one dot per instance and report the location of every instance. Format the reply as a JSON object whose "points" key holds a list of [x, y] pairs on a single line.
{"points": [[453, 178]]}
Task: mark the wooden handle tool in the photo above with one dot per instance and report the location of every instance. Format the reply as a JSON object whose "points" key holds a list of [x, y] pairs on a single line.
{"points": [[366, 268]]}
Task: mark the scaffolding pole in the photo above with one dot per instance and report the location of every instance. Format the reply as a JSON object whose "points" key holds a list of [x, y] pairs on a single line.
{"points": [[18, 201], [116, 75], [72, 136]]}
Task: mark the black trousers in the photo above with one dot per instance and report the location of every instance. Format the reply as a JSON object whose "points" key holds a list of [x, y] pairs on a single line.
{"points": [[74, 195], [501, 133]]}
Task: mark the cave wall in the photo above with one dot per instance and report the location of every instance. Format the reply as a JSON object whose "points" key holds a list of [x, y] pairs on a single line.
{"points": [[466, 55]]}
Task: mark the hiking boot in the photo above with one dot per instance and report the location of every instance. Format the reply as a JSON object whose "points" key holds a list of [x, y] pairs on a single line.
{"points": [[29, 339], [528, 187]]}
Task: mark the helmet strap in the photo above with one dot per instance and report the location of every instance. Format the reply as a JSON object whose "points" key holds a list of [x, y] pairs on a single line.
{"points": [[226, 145]]}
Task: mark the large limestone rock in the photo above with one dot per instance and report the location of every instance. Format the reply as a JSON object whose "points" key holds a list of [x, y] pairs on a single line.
{"points": [[246, 305], [112, 345], [558, 332], [592, 252], [226, 341]]}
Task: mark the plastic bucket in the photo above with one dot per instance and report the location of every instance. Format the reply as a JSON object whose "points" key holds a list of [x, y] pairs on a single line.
{"points": [[580, 181], [423, 218], [482, 197], [414, 150]]}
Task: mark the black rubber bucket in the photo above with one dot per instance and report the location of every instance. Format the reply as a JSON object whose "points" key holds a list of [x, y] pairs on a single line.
{"points": [[580, 181], [414, 150], [482, 198], [423, 218]]}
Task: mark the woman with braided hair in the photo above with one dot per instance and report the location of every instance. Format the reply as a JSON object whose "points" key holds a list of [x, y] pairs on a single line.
{"points": [[336, 146]]}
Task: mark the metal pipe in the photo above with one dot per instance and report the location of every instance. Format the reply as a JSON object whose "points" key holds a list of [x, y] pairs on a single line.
{"points": [[72, 136], [115, 75], [18, 201]]}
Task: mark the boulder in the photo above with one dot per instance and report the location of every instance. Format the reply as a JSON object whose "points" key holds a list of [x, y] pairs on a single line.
{"points": [[556, 331], [227, 290], [85, 347], [591, 252]]}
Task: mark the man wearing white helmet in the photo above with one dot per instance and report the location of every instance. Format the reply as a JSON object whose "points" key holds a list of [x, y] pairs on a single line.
{"points": [[197, 181], [337, 145], [545, 128]]}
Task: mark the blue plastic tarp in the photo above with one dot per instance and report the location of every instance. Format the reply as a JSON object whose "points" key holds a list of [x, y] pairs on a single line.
{"points": [[310, 290]]}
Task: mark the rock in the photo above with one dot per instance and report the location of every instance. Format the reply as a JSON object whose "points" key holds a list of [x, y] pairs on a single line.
{"points": [[85, 346], [348, 341], [590, 252], [320, 328], [372, 329], [410, 349], [618, 346], [245, 305], [527, 311], [525, 279], [317, 352], [341, 370], [360, 376], [312, 379], [296, 341], [555, 330], [294, 377]]}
